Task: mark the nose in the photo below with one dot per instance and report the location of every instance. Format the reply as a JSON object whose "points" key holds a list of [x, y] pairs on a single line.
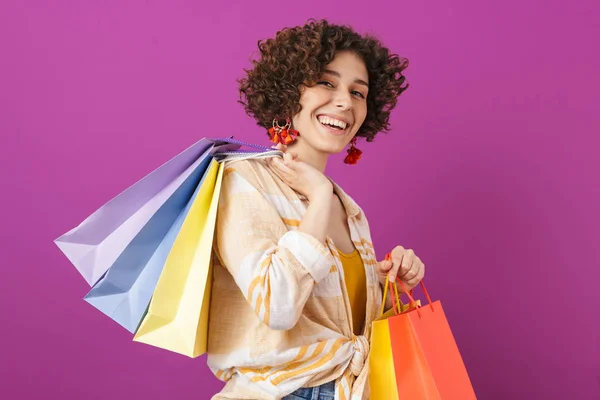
{"points": [[342, 100]]}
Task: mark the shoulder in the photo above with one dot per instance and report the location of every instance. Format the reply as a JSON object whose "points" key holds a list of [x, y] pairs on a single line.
{"points": [[252, 171], [252, 174]]}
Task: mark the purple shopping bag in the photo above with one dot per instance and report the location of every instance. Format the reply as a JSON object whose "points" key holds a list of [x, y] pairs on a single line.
{"points": [[96, 243]]}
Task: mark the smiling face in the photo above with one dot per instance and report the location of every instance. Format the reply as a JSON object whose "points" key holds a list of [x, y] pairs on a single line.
{"points": [[334, 109]]}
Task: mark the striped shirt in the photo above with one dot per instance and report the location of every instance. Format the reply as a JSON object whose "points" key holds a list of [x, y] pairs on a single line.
{"points": [[280, 316]]}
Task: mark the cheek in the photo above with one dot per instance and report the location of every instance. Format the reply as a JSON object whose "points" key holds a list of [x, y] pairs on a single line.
{"points": [[309, 103], [313, 98], [361, 114]]}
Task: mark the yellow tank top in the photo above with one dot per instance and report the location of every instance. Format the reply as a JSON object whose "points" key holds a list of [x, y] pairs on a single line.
{"points": [[356, 285]]}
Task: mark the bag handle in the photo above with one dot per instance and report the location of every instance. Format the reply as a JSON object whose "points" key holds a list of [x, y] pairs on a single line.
{"points": [[397, 306], [393, 285], [231, 140], [225, 152]]}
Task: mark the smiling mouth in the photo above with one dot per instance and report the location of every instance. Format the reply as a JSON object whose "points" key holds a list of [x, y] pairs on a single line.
{"points": [[330, 124]]}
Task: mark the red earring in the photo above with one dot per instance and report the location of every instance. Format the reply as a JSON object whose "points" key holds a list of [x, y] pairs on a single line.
{"points": [[282, 134], [354, 154]]}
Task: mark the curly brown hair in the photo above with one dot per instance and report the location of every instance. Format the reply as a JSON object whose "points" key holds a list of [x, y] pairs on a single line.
{"points": [[297, 56]]}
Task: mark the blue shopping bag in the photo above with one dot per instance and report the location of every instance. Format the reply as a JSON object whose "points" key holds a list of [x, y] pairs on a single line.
{"points": [[131, 236]]}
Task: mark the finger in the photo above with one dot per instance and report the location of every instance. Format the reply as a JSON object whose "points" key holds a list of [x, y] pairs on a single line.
{"points": [[287, 158], [291, 157], [281, 170], [396, 255], [415, 267], [385, 266], [412, 283], [280, 146], [417, 278], [397, 262], [412, 272], [407, 264], [282, 166], [289, 161]]}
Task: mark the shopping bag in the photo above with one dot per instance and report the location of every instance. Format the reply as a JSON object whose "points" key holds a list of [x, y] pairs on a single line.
{"points": [[125, 290], [382, 380], [177, 318], [129, 249], [414, 354], [95, 244]]}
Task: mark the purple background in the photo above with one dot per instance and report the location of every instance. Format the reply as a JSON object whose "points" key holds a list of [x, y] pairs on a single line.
{"points": [[490, 173]]}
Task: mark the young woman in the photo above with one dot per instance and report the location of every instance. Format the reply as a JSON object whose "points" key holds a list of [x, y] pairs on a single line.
{"points": [[296, 281]]}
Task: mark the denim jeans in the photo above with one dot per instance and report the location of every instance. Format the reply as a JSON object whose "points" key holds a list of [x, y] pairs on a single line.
{"points": [[323, 392]]}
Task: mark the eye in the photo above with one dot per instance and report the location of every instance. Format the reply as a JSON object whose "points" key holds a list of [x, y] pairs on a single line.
{"points": [[359, 94], [325, 83]]}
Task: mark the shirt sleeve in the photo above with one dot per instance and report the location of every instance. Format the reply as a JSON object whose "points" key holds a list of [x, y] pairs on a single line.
{"points": [[275, 268]]}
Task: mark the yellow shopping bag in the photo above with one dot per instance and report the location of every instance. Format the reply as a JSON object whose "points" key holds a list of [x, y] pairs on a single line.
{"points": [[177, 318], [382, 379]]}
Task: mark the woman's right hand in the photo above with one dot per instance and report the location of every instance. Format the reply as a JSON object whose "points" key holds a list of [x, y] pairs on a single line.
{"points": [[301, 176]]}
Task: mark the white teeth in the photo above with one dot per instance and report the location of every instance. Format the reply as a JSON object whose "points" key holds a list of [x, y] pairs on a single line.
{"points": [[330, 121]]}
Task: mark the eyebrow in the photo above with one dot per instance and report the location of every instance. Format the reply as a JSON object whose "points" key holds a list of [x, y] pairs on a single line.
{"points": [[335, 73]]}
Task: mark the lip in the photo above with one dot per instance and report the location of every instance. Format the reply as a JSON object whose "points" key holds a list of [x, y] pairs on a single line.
{"points": [[335, 117], [332, 131]]}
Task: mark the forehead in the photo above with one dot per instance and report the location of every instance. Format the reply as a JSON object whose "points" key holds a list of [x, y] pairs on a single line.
{"points": [[349, 65]]}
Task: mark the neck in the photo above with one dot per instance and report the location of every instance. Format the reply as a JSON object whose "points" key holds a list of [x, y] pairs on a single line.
{"points": [[309, 155]]}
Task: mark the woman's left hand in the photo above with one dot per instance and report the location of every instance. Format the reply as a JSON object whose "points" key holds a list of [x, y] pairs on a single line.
{"points": [[405, 265]]}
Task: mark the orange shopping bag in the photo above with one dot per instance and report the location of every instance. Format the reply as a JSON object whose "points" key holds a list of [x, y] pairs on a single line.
{"points": [[414, 355]]}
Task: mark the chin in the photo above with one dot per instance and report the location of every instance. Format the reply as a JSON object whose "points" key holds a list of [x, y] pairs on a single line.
{"points": [[332, 148]]}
